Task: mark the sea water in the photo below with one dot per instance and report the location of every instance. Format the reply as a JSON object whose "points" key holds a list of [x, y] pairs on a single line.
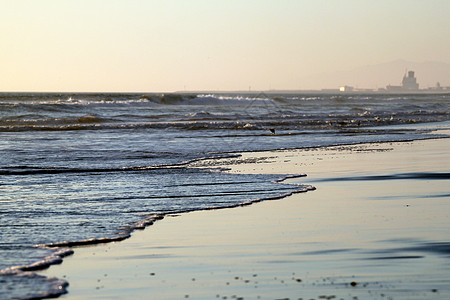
{"points": [[81, 169]]}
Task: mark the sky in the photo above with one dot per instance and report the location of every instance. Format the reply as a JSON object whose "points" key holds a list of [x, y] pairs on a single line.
{"points": [[176, 45]]}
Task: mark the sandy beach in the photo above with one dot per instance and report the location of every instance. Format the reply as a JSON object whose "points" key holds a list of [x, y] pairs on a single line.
{"points": [[376, 227]]}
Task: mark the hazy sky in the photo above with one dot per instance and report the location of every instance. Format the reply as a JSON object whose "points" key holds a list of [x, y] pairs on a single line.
{"points": [[157, 46]]}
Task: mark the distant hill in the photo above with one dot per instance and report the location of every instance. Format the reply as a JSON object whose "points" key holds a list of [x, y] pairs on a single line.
{"points": [[380, 75]]}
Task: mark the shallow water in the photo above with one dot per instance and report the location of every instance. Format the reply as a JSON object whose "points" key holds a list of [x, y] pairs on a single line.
{"points": [[385, 228], [77, 167]]}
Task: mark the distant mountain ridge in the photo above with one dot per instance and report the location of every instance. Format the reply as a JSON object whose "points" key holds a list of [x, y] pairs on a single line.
{"points": [[381, 75]]}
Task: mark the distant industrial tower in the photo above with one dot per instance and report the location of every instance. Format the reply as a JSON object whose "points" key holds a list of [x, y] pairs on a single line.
{"points": [[409, 82]]}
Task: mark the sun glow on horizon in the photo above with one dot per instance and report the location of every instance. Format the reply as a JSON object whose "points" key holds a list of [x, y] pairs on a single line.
{"points": [[141, 46]]}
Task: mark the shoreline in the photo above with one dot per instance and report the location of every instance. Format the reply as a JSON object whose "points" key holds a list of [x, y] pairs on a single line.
{"points": [[147, 247]]}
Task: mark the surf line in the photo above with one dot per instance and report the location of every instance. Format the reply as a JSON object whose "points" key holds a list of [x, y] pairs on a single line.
{"points": [[60, 250]]}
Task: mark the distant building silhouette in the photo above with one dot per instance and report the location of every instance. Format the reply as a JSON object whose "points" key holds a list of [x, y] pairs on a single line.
{"points": [[409, 84], [346, 88]]}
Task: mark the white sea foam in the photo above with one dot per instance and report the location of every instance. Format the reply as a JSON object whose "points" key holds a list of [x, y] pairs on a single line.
{"points": [[90, 168]]}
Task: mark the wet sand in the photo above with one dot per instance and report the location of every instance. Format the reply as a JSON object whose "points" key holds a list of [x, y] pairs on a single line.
{"points": [[377, 227]]}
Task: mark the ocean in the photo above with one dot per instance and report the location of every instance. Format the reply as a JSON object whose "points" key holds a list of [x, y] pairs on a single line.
{"points": [[78, 169]]}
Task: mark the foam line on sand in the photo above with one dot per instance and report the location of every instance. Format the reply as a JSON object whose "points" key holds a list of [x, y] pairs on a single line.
{"points": [[369, 239]]}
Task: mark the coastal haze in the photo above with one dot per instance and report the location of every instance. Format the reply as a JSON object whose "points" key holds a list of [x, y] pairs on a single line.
{"points": [[378, 76], [166, 46]]}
